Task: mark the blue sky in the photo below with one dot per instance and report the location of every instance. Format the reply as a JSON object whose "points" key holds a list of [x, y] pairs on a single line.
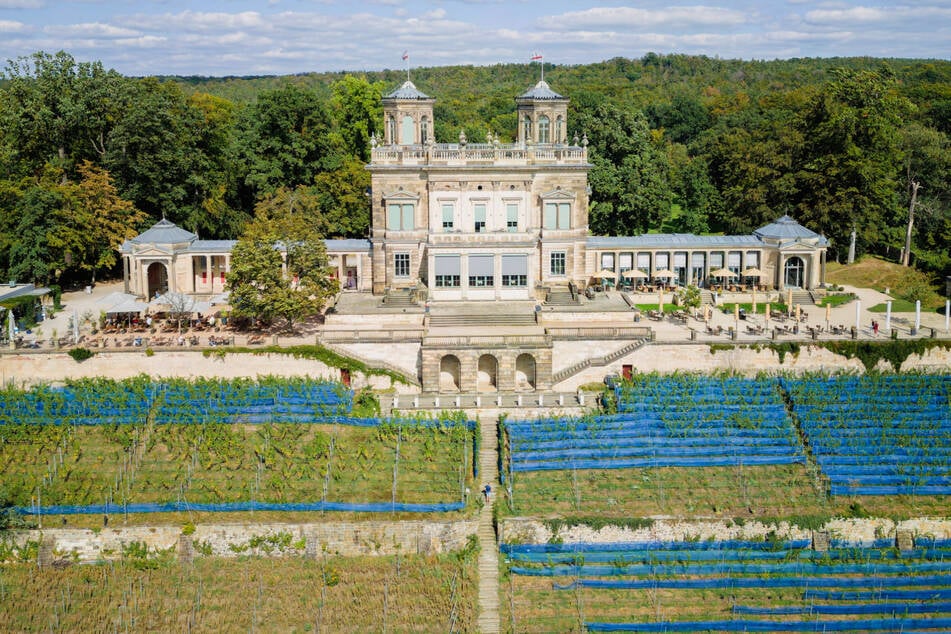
{"points": [[240, 37]]}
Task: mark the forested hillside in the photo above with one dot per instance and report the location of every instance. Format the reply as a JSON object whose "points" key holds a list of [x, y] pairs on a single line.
{"points": [[89, 157]]}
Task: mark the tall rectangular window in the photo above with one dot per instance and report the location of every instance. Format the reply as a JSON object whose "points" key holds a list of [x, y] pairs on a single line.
{"points": [[399, 216], [478, 213], [447, 271], [625, 262], [644, 262], [557, 263], [511, 217], [448, 217], [557, 216], [607, 261], [734, 261], [515, 271], [481, 271], [401, 264], [564, 216]]}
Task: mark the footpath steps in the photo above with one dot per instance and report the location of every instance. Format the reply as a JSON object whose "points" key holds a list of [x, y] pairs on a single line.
{"points": [[596, 362], [803, 298], [481, 320], [488, 620]]}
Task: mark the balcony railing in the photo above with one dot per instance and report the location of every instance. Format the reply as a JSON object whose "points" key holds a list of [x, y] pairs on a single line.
{"points": [[479, 154]]}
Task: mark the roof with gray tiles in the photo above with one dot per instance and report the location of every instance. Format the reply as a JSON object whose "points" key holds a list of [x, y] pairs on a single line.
{"points": [[541, 91], [164, 232], [785, 228], [673, 241], [348, 246], [407, 91]]}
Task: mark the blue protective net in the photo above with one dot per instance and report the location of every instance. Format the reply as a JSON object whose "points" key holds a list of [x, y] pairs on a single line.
{"points": [[813, 625], [878, 434]]}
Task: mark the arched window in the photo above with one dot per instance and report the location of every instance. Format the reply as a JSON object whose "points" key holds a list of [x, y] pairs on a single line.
{"points": [[528, 128], [559, 130], [424, 130], [407, 130], [391, 130], [544, 129]]}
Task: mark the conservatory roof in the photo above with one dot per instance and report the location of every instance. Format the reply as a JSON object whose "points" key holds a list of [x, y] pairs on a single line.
{"points": [[348, 246], [673, 241]]}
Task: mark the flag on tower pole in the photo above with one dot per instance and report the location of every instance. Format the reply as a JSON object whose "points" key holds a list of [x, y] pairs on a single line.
{"points": [[405, 55], [537, 57]]}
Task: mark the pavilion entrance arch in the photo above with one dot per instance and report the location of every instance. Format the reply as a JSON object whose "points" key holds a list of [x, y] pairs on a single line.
{"points": [[450, 371], [794, 272], [156, 276], [525, 372], [487, 379]]}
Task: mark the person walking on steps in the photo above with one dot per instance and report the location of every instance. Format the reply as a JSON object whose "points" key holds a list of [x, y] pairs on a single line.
{"points": [[487, 492]]}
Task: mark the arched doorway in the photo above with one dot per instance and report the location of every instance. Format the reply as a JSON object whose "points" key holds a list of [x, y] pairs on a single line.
{"points": [[525, 372], [794, 272], [157, 276], [487, 378], [449, 371]]}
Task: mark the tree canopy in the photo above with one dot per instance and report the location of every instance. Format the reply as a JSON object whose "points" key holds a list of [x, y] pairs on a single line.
{"points": [[681, 142]]}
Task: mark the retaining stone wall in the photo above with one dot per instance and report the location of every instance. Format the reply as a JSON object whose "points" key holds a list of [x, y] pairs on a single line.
{"points": [[529, 531], [232, 540]]}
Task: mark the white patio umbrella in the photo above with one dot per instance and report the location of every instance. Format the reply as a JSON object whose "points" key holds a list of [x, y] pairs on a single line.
{"points": [[664, 273], [605, 273], [752, 272], [722, 272], [635, 273]]}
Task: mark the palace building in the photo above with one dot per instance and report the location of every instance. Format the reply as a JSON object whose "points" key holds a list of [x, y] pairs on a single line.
{"points": [[490, 222]]}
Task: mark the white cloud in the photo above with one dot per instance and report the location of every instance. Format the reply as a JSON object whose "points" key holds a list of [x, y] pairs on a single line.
{"points": [[629, 17], [9, 26], [21, 4], [90, 29], [876, 15]]}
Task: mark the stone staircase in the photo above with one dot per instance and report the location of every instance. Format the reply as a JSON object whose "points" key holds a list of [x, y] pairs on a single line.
{"points": [[561, 297], [437, 320], [488, 619], [706, 297], [803, 298], [399, 298], [596, 362]]}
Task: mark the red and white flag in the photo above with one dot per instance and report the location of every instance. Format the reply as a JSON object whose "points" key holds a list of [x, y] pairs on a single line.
{"points": [[405, 55], [536, 57]]}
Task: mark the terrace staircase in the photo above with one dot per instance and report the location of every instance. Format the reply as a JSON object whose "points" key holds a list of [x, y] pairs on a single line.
{"points": [[561, 297], [706, 297], [803, 298], [488, 619], [596, 362], [399, 298], [481, 320]]}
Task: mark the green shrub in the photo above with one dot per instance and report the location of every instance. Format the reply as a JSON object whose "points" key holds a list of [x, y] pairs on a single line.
{"points": [[80, 354]]}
